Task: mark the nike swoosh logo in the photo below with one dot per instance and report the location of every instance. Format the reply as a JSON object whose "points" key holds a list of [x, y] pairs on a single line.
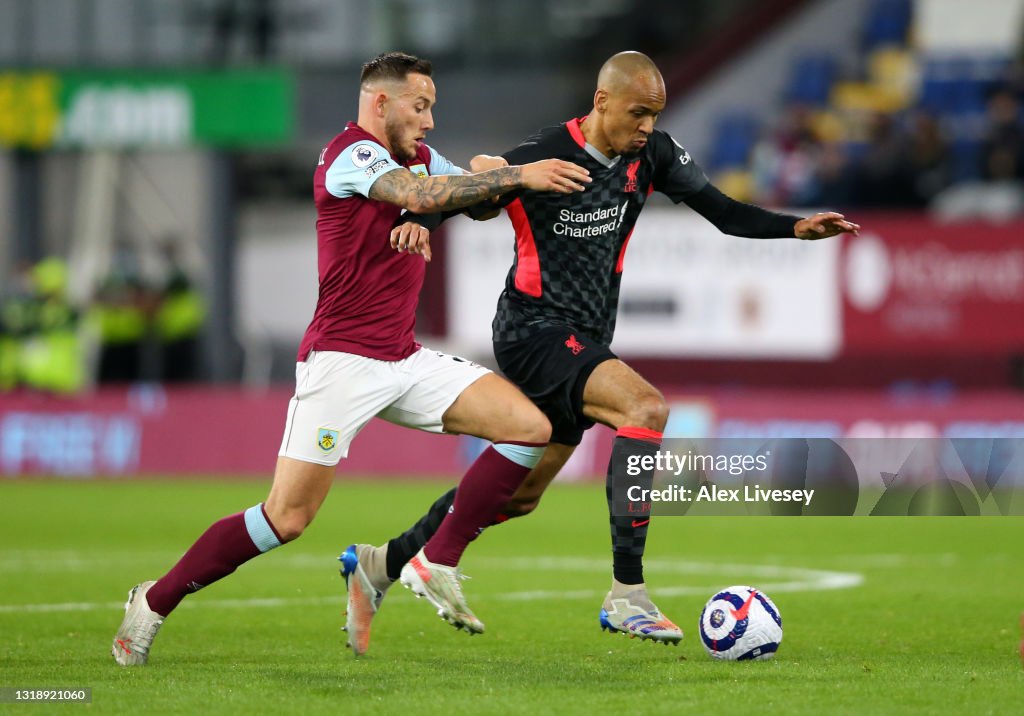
{"points": [[641, 523], [741, 613]]}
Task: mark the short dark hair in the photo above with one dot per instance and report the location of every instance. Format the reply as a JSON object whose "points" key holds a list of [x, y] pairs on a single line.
{"points": [[394, 66]]}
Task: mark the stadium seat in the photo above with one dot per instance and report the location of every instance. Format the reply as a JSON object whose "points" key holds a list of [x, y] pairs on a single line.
{"points": [[866, 97], [737, 183], [958, 86], [893, 68], [735, 137], [939, 79], [887, 23], [811, 79]]}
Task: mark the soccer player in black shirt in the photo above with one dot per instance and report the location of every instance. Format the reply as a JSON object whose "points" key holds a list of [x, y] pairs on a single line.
{"points": [[556, 316]]}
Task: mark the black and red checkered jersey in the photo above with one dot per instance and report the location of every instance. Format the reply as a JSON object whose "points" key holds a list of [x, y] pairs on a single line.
{"points": [[570, 247]]}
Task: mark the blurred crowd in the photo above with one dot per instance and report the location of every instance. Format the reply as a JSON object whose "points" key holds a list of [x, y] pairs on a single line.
{"points": [[129, 331], [914, 158]]}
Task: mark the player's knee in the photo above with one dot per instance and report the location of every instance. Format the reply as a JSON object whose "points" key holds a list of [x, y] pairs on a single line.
{"points": [[539, 429], [649, 411], [531, 427], [290, 525]]}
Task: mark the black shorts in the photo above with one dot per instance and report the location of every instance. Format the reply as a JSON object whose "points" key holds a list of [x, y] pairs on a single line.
{"points": [[551, 367]]}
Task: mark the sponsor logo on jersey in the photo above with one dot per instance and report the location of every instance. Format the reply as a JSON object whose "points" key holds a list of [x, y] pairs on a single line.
{"points": [[376, 168], [363, 155], [327, 439], [590, 224], [320, 161], [684, 158], [419, 170]]}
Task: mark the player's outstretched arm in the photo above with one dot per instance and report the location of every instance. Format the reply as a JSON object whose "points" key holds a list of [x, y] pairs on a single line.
{"points": [[413, 234], [427, 195], [482, 163], [740, 219], [824, 225]]}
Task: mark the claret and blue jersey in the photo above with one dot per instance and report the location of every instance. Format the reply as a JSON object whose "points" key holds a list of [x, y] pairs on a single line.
{"points": [[368, 291]]}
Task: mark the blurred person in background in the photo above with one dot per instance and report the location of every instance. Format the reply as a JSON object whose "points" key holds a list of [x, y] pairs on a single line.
{"points": [[48, 353], [18, 318], [556, 317], [179, 318], [834, 180], [998, 193], [785, 163], [120, 315], [1002, 151], [360, 359], [882, 176], [927, 157]]}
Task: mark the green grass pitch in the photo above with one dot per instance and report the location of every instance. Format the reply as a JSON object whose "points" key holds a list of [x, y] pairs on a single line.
{"points": [[881, 615]]}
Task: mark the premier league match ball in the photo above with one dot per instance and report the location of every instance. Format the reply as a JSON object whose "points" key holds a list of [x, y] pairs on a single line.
{"points": [[740, 623]]}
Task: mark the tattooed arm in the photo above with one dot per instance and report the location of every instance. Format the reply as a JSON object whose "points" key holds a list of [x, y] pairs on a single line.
{"points": [[426, 195]]}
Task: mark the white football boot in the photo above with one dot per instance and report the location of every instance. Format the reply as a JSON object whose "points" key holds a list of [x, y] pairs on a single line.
{"points": [[366, 579], [135, 637], [440, 585], [628, 609]]}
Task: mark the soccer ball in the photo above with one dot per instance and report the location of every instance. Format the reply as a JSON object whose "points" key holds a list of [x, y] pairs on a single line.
{"points": [[740, 623]]}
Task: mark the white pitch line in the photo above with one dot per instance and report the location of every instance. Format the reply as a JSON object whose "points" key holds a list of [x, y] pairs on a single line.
{"points": [[796, 579], [257, 602], [37, 561], [789, 579]]}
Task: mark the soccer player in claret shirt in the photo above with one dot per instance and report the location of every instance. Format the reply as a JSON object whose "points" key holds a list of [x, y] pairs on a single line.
{"points": [[556, 316], [360, 359]]}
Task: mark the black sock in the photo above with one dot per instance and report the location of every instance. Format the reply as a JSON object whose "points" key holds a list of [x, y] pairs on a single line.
{"points": [[629, 527], [404, 547]]}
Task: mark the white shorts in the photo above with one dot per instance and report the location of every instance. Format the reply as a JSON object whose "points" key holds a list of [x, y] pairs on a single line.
{"points": [[336, 394]]}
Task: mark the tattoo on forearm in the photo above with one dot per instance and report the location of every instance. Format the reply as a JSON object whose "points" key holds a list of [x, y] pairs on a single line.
{"points": [[441, 193]]}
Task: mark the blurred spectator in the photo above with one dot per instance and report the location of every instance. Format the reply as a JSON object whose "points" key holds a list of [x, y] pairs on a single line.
{"points": [[179, 320], [904, 164], [928, 157], [1003, 147], [51, 356], [999, 196], [882, 177], [120, 313], [835, 178], [18, 318], [40, 346], [785, 164]]}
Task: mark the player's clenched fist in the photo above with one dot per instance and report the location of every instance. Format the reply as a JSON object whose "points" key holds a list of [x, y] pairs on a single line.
{"points": [[412, 238], [555, 175]]}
